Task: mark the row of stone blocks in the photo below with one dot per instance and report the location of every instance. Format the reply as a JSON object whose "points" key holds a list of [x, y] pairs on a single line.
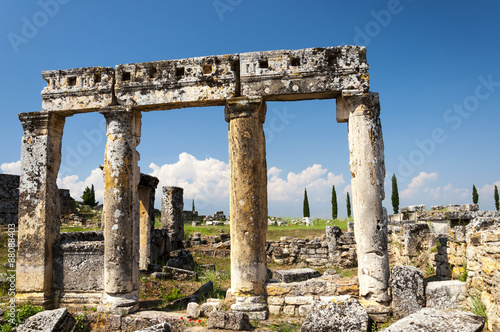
{"points": [[204, 81]]}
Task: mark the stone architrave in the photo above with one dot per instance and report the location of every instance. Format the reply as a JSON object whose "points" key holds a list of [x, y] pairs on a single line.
{"points": [[366, 151], [146, 190], [172, 205], [248, 202], [121, 210], [38, 206]]}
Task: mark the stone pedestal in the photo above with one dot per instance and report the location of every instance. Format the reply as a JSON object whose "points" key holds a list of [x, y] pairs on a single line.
{"points": [[172, 205], [248, 203], [147, 190], [121, 210], [366, 150], [38, 206]]}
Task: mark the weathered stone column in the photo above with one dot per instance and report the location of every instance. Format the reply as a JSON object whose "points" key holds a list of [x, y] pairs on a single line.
{"points": [[38, 205], [248, 204], [121, 210], [147, 190], [366, 151], [172, 205]]}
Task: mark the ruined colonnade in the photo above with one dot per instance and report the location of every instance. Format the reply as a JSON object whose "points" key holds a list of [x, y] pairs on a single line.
{"points": [[243, 83]]}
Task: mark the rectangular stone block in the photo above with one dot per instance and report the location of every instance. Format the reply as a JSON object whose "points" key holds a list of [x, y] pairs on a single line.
{"points": [[304, 310], [304, 74], [78, 90], [298, 300], [192, 82], [289, 310], [275, 300], [275, 309]]}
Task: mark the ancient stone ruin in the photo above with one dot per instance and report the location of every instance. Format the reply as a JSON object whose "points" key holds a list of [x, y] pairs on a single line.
{"points": [[243, 83]]}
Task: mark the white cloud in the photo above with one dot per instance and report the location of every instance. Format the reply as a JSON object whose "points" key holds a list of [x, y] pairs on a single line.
{"points": [[207, 181], [417, 184], [76, 187], [291, 189], [11, 168], [347, 189]]}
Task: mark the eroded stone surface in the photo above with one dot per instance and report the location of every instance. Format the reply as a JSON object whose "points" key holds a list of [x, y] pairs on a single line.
{"points": [[59, 320], [9, 198], [366, 150], [450, 294], [146, 191], [236, 321], [431, 320], [345, 315], [172, 205], [407, 287], [295, 275]]}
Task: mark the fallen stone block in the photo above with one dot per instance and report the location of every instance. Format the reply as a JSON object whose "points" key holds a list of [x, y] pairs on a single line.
{"points": [[163, 327], [430, 320], [175, 274], [295, 275], [450, 294], [407, 286], [343, 314], [193, 310], [236, 321], [59, 320], [413, 208], [209, 306]]}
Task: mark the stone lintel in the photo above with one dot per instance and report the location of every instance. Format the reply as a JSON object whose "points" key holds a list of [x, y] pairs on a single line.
{"points": [[42, 123], [311, 73], [245, 108], [191, 82], [78, 90], [366, 102]]}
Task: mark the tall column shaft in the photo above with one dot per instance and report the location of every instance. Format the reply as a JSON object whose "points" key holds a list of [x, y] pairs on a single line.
{"points": [[121, 209], [147, 189], [366, 151], [38, 205], [248, 200], [172, 205]]}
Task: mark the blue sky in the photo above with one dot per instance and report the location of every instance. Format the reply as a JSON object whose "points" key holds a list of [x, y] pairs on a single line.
{"points": [[435, 65]]}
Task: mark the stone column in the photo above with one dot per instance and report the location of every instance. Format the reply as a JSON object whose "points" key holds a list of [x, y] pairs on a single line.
{"points": [[248, 203], [38, 205], [147, 190], [172, 205], [366, 151], [121, 210]]}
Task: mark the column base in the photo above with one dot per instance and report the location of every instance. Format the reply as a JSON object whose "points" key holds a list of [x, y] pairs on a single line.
{"points": [[119, 303], [35, 298], [254, 306]]}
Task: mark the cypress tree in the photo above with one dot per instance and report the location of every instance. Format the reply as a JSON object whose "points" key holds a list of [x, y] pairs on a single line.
{"points": [[497, 203], [334, 203], [88, 196], [475, 195], [193, 209], [395, 194], [348, 205], [305, 209]]}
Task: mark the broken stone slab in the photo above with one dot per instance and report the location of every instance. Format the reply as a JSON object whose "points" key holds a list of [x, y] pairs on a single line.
{"points": [[344, 314], [469, 207], [162, 327], [175, 274], [193, 310], [236, 321], [450, 294], [431, 320], [453, 207], [413, 208], [59, 320], [203, 290], [295, 275], [181, 259], [209, 306], [407, 286]]}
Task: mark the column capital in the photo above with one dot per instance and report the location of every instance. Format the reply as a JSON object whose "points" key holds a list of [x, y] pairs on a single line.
{"points": [[244, 107], [41, 123], [122, 120], [365, 104]]}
